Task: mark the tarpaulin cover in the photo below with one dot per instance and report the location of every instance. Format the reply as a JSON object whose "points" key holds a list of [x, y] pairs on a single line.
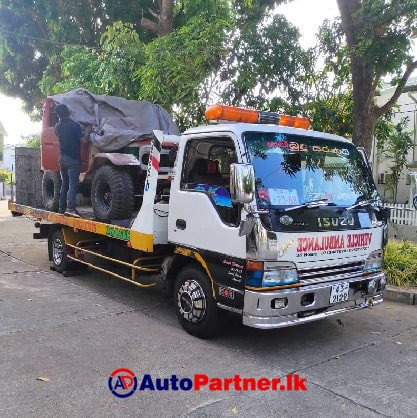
{"points": [[116, 121]]}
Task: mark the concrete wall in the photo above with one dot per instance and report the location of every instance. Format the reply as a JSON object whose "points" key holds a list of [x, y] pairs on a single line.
{"points": [[28, 177], [402, 232]]}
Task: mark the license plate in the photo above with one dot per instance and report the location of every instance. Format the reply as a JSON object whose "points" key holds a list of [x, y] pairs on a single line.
{"points": [[339, 293]]}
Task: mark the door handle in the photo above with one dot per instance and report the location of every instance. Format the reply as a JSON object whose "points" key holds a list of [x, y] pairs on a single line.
{"points": [[181, 224]]}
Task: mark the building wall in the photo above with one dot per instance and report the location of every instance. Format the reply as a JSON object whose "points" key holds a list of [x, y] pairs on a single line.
{"points": [[406, 107], [9, 158], [1, 149]]}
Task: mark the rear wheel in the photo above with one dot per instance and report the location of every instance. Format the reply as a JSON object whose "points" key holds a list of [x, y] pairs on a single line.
{"points": [[59, 254], [59, 251], [51, 189], [195, 305], [112, 194]]}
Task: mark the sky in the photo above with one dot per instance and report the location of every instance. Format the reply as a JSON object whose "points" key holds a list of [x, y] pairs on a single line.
{"points": [[307, 15], [15, 121]]}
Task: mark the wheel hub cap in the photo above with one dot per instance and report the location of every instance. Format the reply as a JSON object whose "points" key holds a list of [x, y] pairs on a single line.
{"points": [[191, 301], [57, 251]]}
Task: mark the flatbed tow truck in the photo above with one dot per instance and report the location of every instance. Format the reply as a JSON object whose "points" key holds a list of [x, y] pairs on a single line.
{"points": [[264, 218]]}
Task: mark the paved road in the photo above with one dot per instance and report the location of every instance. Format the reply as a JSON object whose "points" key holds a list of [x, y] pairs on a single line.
{"points": [[75, 331]]}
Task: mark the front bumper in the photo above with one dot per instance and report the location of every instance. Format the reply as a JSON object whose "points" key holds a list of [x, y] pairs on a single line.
{"points": [[258, 311]]}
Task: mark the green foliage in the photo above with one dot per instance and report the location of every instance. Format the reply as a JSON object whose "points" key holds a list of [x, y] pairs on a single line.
{"points": [[328, 93], [378, 40], [258, 66], [400, 263], [395, 148], [32, 141], [185, 10], [383, 130], [219, 49], [252, 12], [105, 71], [178, 64], [332, 113], [122, 53], [5, 176], [35, 34], [385, 34], [76, 67]]}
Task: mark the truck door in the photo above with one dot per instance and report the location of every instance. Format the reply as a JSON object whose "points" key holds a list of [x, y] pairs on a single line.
{"points": [[201, 213]]}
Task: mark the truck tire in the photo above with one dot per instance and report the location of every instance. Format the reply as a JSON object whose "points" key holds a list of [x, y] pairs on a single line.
{"points": [[51, 188], [59, 251], [195, 306], [112, 194]]}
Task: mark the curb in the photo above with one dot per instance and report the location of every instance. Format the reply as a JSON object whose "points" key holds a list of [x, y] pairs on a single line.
{"points": [[401, 295]]}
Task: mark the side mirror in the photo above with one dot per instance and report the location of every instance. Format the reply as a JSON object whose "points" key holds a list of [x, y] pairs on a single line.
{"points": [[242, 183], [415, 201]]}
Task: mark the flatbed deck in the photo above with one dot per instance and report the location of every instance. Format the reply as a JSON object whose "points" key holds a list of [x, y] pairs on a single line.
{"points": [[134, 239]]}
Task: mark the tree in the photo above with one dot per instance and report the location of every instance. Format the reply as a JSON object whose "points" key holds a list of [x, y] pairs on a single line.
{"points": [[5, 176], [263, 73], [33, 35], [379, 36], [179, 53], [328, 91], [32, 141], [395, 147], [177, 67], [213, 53], [163, 19], [107, 70]]}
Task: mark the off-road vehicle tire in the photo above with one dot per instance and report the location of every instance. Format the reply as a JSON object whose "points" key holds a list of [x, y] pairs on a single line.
{"points": [[112, 194], [51, 189]]}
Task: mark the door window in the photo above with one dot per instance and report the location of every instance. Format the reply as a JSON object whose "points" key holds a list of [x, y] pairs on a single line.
{"points": [[207, 170]]}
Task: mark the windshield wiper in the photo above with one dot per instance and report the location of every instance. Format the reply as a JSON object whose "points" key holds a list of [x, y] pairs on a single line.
{"points": [[311, 204], [360, 204]]}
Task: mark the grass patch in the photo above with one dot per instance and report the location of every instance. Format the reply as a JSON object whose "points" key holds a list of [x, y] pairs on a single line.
{"points": [[400, 263]]}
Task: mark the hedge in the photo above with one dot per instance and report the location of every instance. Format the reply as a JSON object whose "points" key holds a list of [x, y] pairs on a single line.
{"points": [[400, 263]]}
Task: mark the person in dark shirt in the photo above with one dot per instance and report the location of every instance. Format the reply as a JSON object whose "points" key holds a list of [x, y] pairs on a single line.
{"points": [[70, 135]]}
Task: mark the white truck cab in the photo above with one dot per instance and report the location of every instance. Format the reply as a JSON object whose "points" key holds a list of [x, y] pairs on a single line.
{"points": [[287, 222]]}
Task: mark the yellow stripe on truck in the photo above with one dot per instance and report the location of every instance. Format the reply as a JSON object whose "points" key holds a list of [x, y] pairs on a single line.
{"points": [[136, 240]]}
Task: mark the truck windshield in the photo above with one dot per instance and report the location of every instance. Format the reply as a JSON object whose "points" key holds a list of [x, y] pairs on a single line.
{"points": [[293, 170]]}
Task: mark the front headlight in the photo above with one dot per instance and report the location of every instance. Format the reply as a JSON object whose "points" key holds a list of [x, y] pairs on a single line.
{"points": [[277, 274], [270, 274], [373, 262]]}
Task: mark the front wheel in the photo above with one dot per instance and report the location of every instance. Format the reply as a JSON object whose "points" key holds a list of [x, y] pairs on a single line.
{"points": [[194, 303]]}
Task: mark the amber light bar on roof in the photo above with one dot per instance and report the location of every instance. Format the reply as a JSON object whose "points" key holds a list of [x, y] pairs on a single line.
{"points": [[239, 114]]}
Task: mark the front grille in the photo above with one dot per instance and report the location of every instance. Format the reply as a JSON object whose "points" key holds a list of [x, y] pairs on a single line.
{"points": [[330, 273]]}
